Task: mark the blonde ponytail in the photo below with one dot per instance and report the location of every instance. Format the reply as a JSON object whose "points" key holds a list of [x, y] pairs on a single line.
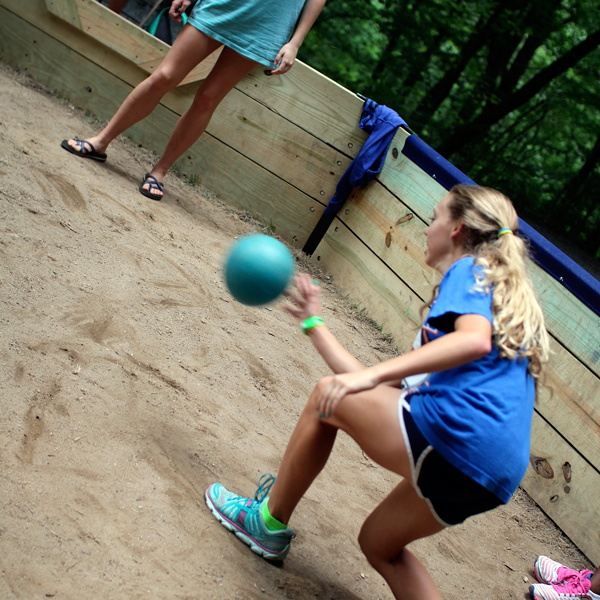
{"points": [[490, 225]]}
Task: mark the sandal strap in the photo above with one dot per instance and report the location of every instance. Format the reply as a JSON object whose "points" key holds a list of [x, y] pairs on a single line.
{"points": [[153, 182], [82, 146]]}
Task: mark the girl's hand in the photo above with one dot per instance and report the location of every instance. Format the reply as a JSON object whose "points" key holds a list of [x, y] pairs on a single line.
{"points": [[285, 59], [304, 299], [336, 387], [177, 9]]}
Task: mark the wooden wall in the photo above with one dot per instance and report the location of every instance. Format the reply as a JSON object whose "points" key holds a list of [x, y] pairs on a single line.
{"points": [[277, 147]]}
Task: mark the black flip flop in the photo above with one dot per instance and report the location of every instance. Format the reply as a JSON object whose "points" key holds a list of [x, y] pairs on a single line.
{"points": [[153, 183], [82, 152]]}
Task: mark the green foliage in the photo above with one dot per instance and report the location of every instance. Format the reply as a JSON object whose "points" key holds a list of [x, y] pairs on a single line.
{"points": [[507, 90]]}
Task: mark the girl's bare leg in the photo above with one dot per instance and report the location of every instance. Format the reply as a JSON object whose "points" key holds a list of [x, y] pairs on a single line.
{"points": [[400, 519], [229, 69], [190, 48], [371, 419]]}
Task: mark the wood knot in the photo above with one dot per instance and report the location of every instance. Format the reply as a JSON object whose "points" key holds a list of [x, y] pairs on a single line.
{"points": [[407, 217], [566, 469], [542, 467]]}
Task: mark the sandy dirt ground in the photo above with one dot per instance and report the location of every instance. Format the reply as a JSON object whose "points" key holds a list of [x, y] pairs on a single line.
{"points": [[130, 380]]}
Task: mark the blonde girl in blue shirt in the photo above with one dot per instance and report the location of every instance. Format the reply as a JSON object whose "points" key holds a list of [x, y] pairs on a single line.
{"points": [[458, 434]]}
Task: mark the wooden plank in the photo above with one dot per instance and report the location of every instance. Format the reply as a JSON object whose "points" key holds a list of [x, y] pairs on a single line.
{"points": [[357, 272], [35, 14], [131, 41], [82, 82], [570, 402], [408, 181], [119, 34], [393, 231], [67, 10], [313, 102], [569, 320], [111, 29], [279, 146], [575, 505], [199, 72], [245, 185]]}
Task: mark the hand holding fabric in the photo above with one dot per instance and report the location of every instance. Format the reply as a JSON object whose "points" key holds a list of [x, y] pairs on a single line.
{"points": [[285, 59]]}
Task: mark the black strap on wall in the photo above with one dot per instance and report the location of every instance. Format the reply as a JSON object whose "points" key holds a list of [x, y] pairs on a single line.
{"points": [[317, 234]]}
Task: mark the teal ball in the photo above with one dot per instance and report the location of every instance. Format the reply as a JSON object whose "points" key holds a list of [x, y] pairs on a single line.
{"points": [[258, 269]]}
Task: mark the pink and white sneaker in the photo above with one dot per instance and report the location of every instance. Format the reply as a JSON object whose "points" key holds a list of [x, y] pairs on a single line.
{"points": [[574, 589], [550, 571]]}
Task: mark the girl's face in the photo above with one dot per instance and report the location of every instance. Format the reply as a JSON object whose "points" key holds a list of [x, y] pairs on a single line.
{"points": [[443, 247]]}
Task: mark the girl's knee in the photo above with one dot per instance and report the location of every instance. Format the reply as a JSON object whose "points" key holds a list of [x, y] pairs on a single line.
{"points": [[375, 552], [311, 405], [208, 98], [367, 541], [364, 544], [163, 80]]}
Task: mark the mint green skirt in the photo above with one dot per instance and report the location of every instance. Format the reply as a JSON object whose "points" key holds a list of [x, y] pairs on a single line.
{"points": [[256, 29]]}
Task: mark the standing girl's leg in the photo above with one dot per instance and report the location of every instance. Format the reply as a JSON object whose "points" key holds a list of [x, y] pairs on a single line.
{"points": [[190, 48], [229, 69]]}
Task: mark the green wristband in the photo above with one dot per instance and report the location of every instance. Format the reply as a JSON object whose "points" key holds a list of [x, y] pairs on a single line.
{"points": [[311, 322]]}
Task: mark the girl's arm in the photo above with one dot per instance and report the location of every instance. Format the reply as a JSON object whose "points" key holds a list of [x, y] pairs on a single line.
{"points": [[306, 304], [334, 354], [471, 339], [287, 55]]}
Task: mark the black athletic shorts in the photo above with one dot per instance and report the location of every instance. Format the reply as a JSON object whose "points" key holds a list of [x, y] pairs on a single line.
{"points": [[451, 495]]}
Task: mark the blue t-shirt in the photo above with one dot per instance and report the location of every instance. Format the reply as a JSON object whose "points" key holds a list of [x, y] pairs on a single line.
{"points": [[478, 416]]}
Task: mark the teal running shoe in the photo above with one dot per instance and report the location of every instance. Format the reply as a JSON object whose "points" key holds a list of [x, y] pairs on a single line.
{"points": [[243, 517]]}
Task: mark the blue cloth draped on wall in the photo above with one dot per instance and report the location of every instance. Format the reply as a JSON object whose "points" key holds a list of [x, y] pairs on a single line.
{"points": [[381, 123]]}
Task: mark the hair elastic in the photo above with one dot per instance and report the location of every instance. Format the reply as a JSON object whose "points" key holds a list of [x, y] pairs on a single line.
{"points": [[504, 231]]}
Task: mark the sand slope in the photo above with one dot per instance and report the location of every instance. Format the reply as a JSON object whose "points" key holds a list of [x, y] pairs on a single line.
{"points": [[130, 380]]}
